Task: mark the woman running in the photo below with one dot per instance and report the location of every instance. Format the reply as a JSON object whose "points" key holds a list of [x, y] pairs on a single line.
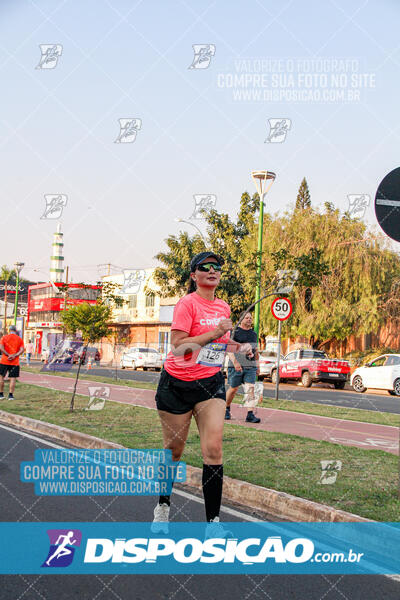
{"points": [[192, 383]]}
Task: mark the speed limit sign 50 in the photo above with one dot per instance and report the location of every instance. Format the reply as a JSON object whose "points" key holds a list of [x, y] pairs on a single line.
{"points": [[281, 308]]}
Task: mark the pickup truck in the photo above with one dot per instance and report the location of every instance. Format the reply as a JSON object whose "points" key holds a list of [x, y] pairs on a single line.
{"points": [[311, 366]]}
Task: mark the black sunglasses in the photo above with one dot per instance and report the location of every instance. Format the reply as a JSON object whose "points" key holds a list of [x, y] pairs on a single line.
{"points": [[205, 267]]}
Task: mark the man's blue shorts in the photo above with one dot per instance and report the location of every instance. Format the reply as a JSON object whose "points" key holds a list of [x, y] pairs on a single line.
{"points": [[246, 375]]}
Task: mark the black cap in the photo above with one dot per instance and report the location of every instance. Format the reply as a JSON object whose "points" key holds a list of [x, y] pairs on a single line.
{"points": [[199, 258]]}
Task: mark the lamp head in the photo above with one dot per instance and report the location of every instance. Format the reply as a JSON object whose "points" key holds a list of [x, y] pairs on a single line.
{"points": [[263, 181], [19, 266]]}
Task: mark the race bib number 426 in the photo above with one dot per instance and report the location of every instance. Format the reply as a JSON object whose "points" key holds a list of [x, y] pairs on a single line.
{"points": [[212, 355]]}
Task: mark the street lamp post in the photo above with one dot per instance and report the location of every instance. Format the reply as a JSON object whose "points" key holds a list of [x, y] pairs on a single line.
{"points": [[18, 268], [178, 220], [263, 181]]}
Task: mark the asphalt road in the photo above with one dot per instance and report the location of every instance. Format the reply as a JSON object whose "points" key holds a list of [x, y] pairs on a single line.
{"points": [[18, 503], [318, 393]]}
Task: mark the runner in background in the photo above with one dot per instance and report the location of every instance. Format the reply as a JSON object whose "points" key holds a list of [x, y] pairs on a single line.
{"points": [[244, 369], [29, 349], [11, 347], [192, 384]]}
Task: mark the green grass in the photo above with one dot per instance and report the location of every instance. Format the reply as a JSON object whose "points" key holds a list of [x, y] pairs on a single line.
{"points": [[366, 485], [309, 408]]}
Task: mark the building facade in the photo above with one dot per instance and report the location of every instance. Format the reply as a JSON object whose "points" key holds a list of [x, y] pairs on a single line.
{"points": [[144, 319], [46, 302]]}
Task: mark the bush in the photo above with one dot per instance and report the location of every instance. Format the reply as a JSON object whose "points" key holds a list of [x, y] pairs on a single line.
{"points": [[357, 358]]}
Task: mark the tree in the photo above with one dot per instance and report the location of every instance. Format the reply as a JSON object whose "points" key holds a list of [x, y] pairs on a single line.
{"points": [[6, 273], [303, 199], [350, 272], [91, 320], [226, 238]]}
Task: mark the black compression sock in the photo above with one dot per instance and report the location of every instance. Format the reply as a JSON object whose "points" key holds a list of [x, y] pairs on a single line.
{"points": [[212, 489], [165, 500]]}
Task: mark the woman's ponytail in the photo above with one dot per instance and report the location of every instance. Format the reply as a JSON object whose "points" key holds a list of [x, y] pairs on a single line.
{"points": [[192, 286]]}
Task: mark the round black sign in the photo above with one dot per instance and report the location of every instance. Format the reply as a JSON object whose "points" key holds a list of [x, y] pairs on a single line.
{"points": [[387, 204]]}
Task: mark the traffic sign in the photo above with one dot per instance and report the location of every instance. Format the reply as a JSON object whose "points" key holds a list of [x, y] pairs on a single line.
{"points": [[281, 308], [387, 204]]}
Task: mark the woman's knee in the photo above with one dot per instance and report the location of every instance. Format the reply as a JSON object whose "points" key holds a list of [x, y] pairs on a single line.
{"points": [[212, 452], [176, 449]]}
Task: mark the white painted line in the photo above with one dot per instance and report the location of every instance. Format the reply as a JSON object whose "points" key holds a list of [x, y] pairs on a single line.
{"points": [[31, 437]]}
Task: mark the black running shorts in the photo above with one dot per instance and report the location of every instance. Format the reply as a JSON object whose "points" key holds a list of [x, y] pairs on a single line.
{"points": [[178, 397], [13, 370]]}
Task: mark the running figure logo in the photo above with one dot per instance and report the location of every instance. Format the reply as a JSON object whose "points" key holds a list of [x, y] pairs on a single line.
{"points": [[128, 130], [203, 54], [50, 55], [358, 204], [55, 204], [203, 202], [97, 397], [278, 129], [62, 547], [132, 281], [330, 470]]}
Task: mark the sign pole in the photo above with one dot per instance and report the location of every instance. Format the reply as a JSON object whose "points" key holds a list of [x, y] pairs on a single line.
{"points": [[5, 307], [281, 309], [278, 361]]}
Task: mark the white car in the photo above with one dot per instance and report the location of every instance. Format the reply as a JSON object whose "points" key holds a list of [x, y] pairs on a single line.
{"points": [[382, 373], [145, 358]]}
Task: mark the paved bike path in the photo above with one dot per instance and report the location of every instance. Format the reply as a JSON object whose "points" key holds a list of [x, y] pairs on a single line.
{"points": [[337, 431]]}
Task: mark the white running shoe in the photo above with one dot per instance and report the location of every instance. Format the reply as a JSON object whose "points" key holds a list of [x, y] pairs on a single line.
{"points": [[161, 518], [215, 529]]}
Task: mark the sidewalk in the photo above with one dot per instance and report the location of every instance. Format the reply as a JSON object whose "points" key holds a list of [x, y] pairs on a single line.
{"points": [[337, 431]]}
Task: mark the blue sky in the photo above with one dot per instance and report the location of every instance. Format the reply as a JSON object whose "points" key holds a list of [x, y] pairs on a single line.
{"points": [[125, 59]]}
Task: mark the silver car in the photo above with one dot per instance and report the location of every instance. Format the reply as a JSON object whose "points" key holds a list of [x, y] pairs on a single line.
{"points": [[268, 360], [145, 358]]}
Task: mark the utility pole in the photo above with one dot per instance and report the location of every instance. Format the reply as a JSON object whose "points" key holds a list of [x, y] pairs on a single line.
{"points": [[65, 295], [18, 268], [5, 305], [263, 181]]}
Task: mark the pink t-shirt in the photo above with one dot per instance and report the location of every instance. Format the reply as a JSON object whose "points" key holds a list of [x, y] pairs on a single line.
{"points": [[195, 315]]}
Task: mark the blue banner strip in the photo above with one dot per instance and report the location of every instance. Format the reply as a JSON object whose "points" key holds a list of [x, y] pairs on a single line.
{"points": [[198, 548]]}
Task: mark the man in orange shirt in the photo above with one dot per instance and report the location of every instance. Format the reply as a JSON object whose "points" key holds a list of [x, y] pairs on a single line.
{"points": [[11, 346]]}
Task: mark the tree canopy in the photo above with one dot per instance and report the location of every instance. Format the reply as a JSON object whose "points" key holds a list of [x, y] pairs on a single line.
{"points": [[226, 238], [355, 276], [348, 273]]}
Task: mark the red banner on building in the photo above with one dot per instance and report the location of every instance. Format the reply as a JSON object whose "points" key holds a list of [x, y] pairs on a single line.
{"points": [[54, 304]]}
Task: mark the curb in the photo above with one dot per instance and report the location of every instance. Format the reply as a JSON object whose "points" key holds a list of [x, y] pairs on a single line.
{"points": [[276, 504]]}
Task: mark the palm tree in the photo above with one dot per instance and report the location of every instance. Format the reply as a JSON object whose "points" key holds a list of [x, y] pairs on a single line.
{"points": [[6, 274]]}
